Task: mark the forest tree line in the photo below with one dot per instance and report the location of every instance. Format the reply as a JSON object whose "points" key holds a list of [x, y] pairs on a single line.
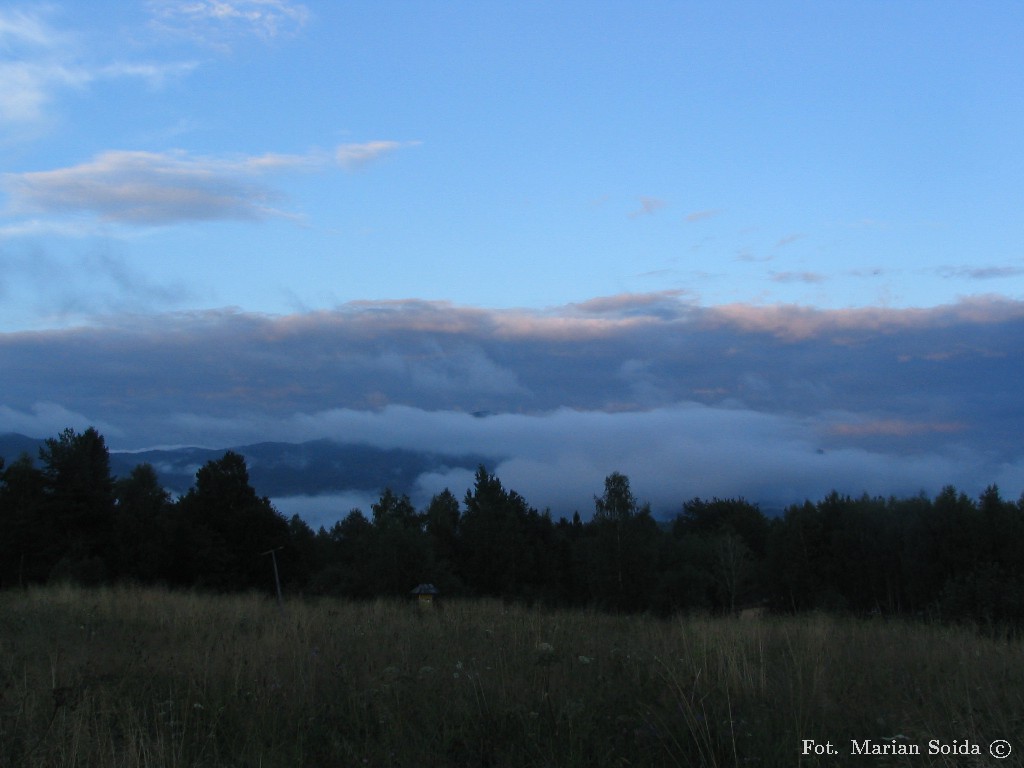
{"points": [[953, 557]]}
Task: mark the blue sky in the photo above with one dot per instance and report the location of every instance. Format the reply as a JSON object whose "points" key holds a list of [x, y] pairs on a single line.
{"points": [[280, 156], [432, 192]]}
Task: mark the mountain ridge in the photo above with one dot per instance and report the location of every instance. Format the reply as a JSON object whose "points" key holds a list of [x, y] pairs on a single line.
{"points": [[278, 469]]}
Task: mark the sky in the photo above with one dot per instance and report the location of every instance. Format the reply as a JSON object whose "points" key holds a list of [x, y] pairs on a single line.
{"points": [[730, 248]]}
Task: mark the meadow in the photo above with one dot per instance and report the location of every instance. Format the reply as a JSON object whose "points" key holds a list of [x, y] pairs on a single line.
{"points": [[132, 677]]}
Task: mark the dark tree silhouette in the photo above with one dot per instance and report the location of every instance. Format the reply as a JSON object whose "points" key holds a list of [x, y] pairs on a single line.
{"points": [[951, 557], [142, 526], [622, 548], [79, 498], [223, 528], [29, 538]]}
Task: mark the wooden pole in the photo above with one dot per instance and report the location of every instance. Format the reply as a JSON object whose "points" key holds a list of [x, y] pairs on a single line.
{"points": [[277, 579]]}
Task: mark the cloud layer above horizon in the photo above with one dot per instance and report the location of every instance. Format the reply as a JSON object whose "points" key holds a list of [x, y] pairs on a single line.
{"points": [[776, 403]]}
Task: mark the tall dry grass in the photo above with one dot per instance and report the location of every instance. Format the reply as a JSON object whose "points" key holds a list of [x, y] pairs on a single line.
{"points": [[130, 677]]}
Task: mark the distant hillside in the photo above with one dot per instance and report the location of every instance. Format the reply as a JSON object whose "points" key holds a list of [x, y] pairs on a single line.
{"points": [[289, 469], [12, 445], [281, 469]]}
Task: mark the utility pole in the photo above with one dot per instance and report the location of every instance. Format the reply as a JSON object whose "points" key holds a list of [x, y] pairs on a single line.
{"points": [[277, 579]]}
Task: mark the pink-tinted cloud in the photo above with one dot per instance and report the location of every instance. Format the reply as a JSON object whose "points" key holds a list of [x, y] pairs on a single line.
{"points": [[630, 303], [151, 188], [792, 321], [356, 156], [156, 188], [894, 428]]}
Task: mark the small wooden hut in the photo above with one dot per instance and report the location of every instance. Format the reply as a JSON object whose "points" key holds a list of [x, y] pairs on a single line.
{"points": [[425, 595]]}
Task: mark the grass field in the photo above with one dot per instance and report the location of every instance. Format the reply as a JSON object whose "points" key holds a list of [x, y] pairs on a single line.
{"points": [[142, 677]]}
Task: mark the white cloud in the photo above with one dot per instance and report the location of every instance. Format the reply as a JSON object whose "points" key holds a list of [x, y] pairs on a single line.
{"points": [[220, 22], [38, 61], [355, 156], [19, 27], [34, 65], [41, 226], [45, 419], [156, 75], [1010, 479], [27, 88], [429, 484]]}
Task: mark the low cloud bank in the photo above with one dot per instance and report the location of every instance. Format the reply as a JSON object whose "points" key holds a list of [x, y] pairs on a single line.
{"points": [[773, 403], [560, 459]]}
